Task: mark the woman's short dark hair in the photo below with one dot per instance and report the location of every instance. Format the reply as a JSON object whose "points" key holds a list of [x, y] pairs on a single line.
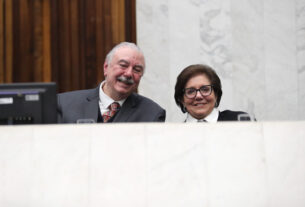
{"points": [[192, 71]]}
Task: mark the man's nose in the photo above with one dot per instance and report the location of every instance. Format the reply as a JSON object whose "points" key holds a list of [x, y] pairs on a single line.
{"points": [[128, 71]]}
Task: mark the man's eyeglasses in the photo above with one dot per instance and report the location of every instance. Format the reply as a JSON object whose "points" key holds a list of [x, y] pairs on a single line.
{"points": [[205, 90]]}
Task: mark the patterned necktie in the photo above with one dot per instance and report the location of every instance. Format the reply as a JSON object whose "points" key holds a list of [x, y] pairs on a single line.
{"points": [[201, 120], [113, 108]]}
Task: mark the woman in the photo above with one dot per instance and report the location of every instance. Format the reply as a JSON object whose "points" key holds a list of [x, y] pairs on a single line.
{"points": [[198, 92]]}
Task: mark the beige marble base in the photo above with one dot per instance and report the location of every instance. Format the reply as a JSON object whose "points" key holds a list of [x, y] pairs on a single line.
{"points": [[224, 164]]}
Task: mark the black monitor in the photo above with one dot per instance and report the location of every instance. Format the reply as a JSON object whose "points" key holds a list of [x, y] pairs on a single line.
{"points": [[28, 103]]}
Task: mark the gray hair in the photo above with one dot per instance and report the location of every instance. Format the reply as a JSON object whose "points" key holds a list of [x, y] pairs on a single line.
{"points": [[122, 44]]}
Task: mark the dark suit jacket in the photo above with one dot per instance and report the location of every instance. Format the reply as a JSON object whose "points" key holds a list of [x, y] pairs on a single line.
{"points": [[84, 104], [228, 115]]}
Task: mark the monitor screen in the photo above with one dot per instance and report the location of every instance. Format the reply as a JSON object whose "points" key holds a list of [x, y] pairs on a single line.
{"points": [[28, 103]]}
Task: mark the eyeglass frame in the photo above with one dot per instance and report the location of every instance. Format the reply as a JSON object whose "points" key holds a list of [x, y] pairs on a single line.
{"points": [[196, 90]]}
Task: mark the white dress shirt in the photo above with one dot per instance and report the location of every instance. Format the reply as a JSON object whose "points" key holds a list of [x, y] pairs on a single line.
{"points": [[211, 118], [105, 101]]}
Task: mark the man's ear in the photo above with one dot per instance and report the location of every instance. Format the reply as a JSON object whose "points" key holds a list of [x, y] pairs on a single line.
{"points": [[105, 68]]}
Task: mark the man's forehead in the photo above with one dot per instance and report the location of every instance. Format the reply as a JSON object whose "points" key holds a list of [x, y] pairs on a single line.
{"points": [[129, 55]]}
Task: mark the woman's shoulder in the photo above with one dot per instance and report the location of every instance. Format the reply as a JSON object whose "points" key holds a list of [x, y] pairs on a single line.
{"points": [[228, 115]]}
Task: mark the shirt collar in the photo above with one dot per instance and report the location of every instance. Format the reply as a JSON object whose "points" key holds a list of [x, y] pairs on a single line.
{"points": [[105, 100], [211, 118]]}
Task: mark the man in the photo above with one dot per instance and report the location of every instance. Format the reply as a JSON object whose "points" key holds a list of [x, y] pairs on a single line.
{"points": [[114, 100]]}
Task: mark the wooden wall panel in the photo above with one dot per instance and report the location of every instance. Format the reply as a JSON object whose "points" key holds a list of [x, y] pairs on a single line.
{"points": [[82, 44], [37, 54], [65, 41], [90, 44], [118, 14], [75, 46], [1, 41], [8, 41], [46, 39], [23, 70], [54, 40], [130, 21], [100, 39], [64, 46]]}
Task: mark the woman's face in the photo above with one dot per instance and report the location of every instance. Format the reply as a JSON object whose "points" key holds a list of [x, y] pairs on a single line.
{"points": [[199, 106]]}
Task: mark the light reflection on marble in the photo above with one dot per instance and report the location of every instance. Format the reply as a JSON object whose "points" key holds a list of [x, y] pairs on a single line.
{"points": [[256, 47]]}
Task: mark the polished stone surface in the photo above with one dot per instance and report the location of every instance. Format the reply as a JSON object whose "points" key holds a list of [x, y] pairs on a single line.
{"points": [[256, 47], [223, 164]]}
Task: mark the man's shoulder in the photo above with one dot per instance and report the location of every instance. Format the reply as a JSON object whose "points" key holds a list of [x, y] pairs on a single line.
{"points": [[142, 109], [79, 93], [145, 101], [78, 97]]}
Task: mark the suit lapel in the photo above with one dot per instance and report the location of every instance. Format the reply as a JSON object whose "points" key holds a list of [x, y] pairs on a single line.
{"points": [[227, 116], [220, 116], [91, 109], [127, 109]]}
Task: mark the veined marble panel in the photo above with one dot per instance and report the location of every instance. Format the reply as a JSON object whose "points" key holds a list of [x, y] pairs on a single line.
{"points": [[247, 53], [237, 168], [281, 73], [147, 165], [15, 166], [215, 43], [300, 24], [184, 46], [173, 171], [153, 39], [286, 170], [118, 165], [60, 166], [256, 47]]}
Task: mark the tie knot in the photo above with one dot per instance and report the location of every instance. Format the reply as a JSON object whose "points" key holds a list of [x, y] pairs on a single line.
{"points": [[115, 106]]}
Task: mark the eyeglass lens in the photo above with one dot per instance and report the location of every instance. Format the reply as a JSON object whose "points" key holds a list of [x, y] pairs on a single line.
{"points": [[204, 91]]}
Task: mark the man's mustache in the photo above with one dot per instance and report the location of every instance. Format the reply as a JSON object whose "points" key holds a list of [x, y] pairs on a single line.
{"points": [[126, 80]]}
